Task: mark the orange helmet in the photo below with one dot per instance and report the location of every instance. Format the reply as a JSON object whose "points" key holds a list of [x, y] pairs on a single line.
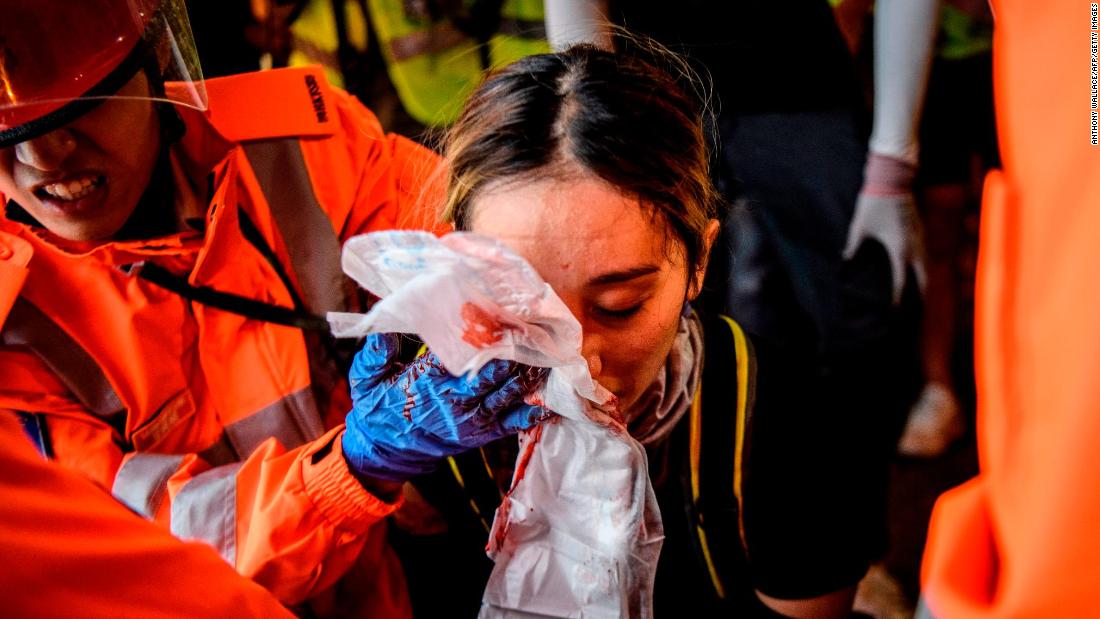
{"points": [[58, 58]]}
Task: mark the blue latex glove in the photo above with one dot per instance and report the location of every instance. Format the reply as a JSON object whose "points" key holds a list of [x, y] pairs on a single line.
{"points": [[407, 417]]}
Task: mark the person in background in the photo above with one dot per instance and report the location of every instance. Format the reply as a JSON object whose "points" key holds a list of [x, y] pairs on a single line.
{"points": [[168, 339], [414, 63], [959, 144]]}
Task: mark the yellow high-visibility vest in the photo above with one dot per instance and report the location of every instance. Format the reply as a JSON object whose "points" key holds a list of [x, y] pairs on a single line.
{"points": [[433, 65]]}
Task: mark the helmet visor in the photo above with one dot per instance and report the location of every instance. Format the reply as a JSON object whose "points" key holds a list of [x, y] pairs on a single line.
{"points": [[58, 58]]}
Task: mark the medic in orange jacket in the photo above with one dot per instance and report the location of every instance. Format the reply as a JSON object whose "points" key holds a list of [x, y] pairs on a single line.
{"points": [[53, 522], [1022, 539], [201, 418]]}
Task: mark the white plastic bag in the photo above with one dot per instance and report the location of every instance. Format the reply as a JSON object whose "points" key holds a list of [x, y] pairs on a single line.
{"points": [[580, 532]]}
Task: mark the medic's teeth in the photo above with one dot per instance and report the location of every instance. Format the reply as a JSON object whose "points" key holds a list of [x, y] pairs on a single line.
{"points": [[74, 189]]}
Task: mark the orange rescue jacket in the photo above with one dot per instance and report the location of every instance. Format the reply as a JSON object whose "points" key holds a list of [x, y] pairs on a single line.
{"points": [[15, 255], [53, 522], [56, 564], [1022, 539], [223, 428]]}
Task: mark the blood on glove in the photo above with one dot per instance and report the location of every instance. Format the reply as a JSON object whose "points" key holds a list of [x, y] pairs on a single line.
{"points": [[406, 417]]}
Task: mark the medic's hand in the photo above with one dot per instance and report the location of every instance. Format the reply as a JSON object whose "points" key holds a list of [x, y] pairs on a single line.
{"points": [[886, 212], [407, 417]]}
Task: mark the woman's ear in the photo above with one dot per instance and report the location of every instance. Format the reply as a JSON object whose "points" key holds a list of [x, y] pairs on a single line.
{"points": [[709, 235]]}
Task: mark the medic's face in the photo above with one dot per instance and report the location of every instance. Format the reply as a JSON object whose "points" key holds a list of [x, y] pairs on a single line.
{"points": [[82, 181], [618, 270]]}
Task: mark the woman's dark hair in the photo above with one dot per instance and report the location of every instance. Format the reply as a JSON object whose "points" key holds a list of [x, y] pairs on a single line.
{"points": [[619, 117]]}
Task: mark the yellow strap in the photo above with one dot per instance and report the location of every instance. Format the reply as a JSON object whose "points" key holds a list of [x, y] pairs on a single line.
{"points": [[462, 483], [741, 348], [695, 446], [458, 473], [695, 432]]}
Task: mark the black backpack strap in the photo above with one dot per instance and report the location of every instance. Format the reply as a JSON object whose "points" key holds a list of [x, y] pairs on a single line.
{"points": [[464, 488], [229, 302], [717, 448]]}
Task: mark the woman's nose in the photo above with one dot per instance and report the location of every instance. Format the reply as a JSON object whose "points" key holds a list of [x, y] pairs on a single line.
{"points": [[46, 152], [590, 350], [590, 337]]}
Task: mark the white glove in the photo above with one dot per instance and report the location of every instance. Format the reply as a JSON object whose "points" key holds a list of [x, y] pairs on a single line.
{"points": [[886, 212]]}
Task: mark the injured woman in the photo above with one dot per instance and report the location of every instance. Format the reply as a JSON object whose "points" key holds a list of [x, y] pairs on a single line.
{"points": [[661, 466]]}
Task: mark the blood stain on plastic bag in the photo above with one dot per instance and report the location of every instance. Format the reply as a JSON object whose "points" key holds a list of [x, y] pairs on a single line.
{"points": [[481, 329], [528, 440]]}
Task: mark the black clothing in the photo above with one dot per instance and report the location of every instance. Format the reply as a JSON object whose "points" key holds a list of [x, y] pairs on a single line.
{"points": [[803, 517], [764, 55]]}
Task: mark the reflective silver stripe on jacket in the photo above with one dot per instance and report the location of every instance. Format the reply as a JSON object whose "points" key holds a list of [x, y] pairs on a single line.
{"points": [[206, 509], [311, 242], [30, 327], [142, 481], [294, 420]]}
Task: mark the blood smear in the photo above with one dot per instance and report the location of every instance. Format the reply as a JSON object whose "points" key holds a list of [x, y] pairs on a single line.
{"points": [[481, 329], [528, 440]]}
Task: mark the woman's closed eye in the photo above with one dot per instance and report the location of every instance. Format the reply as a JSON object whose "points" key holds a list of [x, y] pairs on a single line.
{"points": [[618, 313]]}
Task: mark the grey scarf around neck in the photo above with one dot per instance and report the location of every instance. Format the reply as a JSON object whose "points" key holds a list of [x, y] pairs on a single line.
{"points": [[663, 405]]}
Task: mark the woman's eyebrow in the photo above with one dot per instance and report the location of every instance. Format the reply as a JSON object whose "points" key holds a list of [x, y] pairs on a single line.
{"points": [[615, 277]]}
